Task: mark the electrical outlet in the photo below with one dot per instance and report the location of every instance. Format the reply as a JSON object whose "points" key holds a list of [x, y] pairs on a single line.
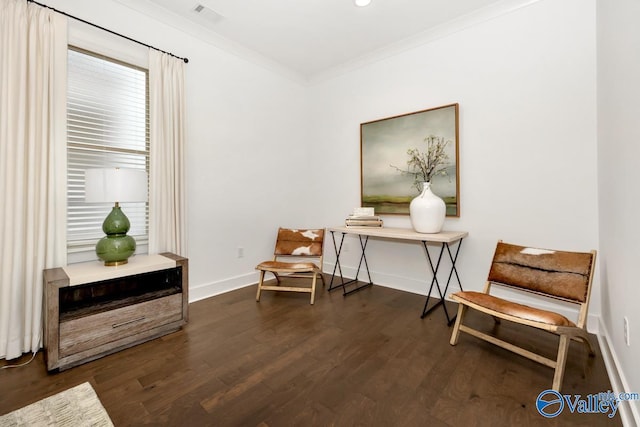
{"points": [[626, 331], [240, 252]]}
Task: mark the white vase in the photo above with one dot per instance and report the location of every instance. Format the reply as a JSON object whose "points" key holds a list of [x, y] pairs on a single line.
{"points": [[427, 211]]}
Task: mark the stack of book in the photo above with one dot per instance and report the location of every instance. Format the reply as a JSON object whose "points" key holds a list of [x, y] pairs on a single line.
{"points": [[363, 217], [363, 221]]}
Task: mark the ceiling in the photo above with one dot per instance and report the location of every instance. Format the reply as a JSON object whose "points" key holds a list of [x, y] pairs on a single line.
{"points": [[311, 37]]}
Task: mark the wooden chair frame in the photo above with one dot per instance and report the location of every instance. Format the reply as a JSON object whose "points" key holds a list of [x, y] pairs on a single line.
{"points": [[562, 275], [296, 244]]}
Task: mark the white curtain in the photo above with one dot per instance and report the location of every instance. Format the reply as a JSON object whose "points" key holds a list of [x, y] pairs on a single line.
{"points": [[33, 47], [167, 225]]}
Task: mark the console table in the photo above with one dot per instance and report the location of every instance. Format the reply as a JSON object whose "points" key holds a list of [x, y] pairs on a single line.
{"points": [[444, 238], [91, 310]]}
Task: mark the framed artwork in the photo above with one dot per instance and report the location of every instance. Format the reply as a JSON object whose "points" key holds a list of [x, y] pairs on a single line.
{"points": [[397, 153]]}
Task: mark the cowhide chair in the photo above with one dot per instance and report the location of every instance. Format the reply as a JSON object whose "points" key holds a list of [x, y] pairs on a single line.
{"points": [[296, 246], [560, 275]]}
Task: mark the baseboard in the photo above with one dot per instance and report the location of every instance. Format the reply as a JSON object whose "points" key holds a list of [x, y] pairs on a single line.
{"points": [[628, 410], [406, 284], [223, 286], [420, 287]]}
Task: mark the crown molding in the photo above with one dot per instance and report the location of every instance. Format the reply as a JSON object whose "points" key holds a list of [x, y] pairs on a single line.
{"points": [[488, 13], [469, 20], [200, 32]]}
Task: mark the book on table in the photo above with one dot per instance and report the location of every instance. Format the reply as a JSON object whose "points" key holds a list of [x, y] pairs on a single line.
{"points": [[363, 221], [363, 217]]}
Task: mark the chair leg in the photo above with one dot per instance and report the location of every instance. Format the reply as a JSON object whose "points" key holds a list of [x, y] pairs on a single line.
{"points": [[561, 361], [585, 339], [313, 288], [260, 285], [462, 309]]}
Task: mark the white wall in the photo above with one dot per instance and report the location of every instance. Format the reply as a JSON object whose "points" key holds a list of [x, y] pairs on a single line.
{"points": [[247, 149], [618, 154], [526, 85], [246, 163]]}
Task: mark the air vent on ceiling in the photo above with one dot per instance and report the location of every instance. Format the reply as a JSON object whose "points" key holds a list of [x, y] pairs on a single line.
{"points": [[207, 14]]}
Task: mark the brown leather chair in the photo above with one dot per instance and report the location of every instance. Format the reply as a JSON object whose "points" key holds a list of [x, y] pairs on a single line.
{"points": [[299, 245], [560, 275]]}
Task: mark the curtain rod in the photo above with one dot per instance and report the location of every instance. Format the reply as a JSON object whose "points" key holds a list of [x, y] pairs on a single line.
{"points": [[186, 60]]}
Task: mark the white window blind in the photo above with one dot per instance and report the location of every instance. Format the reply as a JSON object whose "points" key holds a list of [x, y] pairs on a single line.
{"points": [[107, 126]]}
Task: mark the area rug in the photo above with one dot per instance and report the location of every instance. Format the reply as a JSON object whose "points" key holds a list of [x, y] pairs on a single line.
{"points": [[78, 406]]}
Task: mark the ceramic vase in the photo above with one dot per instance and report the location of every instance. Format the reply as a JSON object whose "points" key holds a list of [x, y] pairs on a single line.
{"points": [[427, 211], [116, 247]]}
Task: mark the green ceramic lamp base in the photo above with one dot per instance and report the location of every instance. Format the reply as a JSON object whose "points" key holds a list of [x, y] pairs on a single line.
{"points": [[116, 247]]}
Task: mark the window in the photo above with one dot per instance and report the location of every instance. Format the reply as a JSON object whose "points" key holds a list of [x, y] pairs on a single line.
{"points": [[107, 126]]}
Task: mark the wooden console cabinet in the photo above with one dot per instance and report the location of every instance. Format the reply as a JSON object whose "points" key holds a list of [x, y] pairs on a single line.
{"points": [[92, 310]]}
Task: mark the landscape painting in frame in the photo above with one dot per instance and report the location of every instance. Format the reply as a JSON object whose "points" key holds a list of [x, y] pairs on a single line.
{"points": [[388, 184]]}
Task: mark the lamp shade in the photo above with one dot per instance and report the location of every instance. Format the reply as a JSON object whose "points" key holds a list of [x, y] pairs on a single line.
{"points": [[115, 185]]}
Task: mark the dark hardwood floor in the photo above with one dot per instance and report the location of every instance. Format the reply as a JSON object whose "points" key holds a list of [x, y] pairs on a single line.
{"points": [[366, 360]]}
